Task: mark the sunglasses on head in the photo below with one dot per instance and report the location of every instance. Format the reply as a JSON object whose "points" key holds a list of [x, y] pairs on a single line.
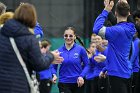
{"points": [[66, 35]]}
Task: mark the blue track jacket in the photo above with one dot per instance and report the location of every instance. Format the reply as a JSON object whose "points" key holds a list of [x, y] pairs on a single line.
{"points": [[119, 42], [75, 64]]}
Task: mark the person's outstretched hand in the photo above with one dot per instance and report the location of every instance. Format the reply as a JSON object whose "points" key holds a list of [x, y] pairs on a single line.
{"points": [[57, 58], [108, 5]]}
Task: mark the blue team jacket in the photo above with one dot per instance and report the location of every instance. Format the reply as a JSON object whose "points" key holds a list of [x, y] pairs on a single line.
{"points": [[119, 38], [75, 64]]}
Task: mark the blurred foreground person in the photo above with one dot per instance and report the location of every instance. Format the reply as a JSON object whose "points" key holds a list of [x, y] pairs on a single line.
{"points": [[12, 75]]}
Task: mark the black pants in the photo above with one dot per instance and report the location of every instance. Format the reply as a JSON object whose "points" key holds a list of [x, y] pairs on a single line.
{"points": [[134, 82], [89, 86], [100, 85], [137, 82], [119, 85], [70, 88], [45, 86]]}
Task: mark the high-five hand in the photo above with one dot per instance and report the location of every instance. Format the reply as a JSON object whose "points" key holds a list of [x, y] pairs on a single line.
{"points": [[57, 58], [108, 5]]}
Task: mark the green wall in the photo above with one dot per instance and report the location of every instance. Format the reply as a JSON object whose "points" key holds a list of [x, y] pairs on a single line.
{"points": [[57, 42]]}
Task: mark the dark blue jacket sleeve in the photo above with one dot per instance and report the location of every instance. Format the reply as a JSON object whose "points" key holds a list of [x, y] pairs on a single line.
{"points": [[54, 69]]}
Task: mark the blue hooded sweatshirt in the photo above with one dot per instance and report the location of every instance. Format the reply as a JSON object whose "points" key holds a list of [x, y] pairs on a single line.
{"points": [[119, 42], [75, 64]]}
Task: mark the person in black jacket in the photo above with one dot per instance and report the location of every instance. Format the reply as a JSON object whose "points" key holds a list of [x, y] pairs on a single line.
{"points": [[12, 76]]}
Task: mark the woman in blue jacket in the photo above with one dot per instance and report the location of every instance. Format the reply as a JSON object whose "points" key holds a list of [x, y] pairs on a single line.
{"points": [[75, 65]]}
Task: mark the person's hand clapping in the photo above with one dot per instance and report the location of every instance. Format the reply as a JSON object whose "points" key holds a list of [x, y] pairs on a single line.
{"points": [[100, 48], [100, 58]]}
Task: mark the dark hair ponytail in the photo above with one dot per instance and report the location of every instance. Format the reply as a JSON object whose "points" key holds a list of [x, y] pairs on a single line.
{"points": [[81, 42]]}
